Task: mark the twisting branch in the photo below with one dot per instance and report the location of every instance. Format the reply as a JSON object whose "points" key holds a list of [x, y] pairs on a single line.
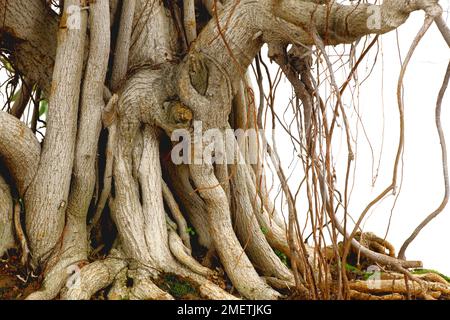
{"points": [[444, 202]]}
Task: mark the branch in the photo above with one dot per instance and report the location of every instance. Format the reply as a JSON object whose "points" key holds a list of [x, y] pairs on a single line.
{"points": [[338, 23]]}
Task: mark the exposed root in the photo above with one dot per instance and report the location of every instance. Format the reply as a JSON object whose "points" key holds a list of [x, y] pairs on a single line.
{"points": [[54, 281], [432, 277], [375, 243], [94, 277], [279, 284], [177, 215], [232, 255], [109, 116], [119, 289], [183, 255], [20, 234], [206, 288], [424, 290], [250, 233], [6, 217], [191, 201], [356, 295], [144, 289]]}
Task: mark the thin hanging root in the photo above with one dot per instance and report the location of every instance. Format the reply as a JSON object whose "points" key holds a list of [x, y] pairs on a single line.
{"points": [[392, 187], [109, 118], [20, 234], [177, 215], [94, 277], [445, 199], [183, 255]]}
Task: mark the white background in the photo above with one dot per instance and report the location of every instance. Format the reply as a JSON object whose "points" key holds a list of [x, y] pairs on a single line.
{"points": [[422, 188]]}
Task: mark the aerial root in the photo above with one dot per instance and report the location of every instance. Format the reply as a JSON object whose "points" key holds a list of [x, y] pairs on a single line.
{"points": [[94, 277], [177, 215], [183, 255]]}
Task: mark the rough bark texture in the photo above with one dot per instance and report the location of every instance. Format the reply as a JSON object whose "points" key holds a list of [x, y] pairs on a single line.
{"points": [[7, 240], [161, 67]]}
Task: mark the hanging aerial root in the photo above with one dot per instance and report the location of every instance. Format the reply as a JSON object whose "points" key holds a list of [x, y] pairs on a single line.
{"points": [[443, 144], [108, 118]]}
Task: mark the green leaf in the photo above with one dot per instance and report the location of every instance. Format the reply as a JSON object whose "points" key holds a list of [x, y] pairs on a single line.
{"points": [[15, 96], [43, 108], [282, 257], [191, 231], [7, 65]]}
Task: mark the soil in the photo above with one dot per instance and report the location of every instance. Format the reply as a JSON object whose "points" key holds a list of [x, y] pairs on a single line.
{"points": [[16, 282]]}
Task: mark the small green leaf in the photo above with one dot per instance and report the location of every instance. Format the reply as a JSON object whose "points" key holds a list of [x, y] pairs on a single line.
{"points": [[282, 257], [43, 107], [8, 66], [15, 96], [191, 231]]}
